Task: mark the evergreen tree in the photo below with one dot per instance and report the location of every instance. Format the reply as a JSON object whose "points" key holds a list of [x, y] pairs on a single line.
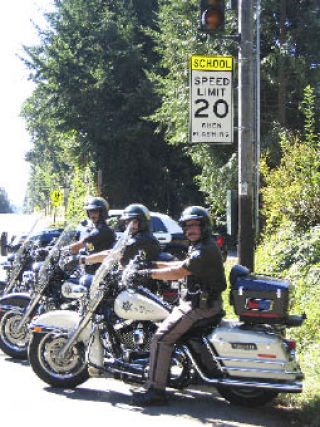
{"points": [[90, 71]]}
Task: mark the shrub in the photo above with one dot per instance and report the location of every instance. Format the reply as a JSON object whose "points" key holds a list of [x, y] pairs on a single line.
{"points": [[292, 189], [295, 255]]}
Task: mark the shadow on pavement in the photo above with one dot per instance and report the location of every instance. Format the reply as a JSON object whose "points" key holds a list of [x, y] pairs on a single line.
{"points": [[196, 405]]}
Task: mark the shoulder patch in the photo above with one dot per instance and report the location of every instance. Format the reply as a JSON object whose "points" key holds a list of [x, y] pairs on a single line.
{"points": [[195, 254]]}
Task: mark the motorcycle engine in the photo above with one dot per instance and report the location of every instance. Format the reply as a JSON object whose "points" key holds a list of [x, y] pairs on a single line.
{"points": [[136, 336]]}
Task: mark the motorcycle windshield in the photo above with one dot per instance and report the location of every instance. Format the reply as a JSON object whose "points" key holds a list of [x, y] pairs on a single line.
{"points": [[109, 262], [67, 237], [18, 262]]}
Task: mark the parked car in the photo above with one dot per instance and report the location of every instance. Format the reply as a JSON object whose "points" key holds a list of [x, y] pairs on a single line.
{"points": [[47, 236]]}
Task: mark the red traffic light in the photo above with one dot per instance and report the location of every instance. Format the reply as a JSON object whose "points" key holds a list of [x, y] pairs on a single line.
{"points": [[212, 19], [212, 15]]}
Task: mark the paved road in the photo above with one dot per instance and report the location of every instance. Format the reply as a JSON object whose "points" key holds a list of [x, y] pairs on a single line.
{"points": [[26, 399]]}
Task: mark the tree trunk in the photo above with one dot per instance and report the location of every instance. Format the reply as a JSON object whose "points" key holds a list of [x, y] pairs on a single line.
{"points": [[282, 58]]}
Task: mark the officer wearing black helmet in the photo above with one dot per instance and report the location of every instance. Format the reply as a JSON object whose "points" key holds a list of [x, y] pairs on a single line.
{"points": [[96, 234], [141, 237], [205, 280]]}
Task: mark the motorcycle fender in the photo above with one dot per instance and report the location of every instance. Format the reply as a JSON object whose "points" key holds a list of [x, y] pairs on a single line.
{"points": [[60, 321], [14, 300]]}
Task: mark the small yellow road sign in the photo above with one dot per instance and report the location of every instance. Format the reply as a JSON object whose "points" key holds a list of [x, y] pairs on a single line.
{"points": [[56, 197]]}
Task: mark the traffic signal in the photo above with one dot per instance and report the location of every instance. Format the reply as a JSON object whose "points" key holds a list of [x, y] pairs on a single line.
{"points": [[212, 15]]}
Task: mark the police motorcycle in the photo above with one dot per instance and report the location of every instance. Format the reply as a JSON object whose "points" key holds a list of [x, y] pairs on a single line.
{"points": [[55, 284], [20, 262], [249, 360], [15, 265]]}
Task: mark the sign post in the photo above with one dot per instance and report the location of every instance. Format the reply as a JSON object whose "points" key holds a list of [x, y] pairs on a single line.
{"points": [[211, 100]]}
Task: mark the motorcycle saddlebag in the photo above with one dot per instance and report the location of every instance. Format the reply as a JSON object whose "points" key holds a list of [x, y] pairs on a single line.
{"points": [[260, 299]]}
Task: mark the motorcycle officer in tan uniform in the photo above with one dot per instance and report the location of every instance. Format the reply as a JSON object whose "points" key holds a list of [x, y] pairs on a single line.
{"points": [[205, 280]]}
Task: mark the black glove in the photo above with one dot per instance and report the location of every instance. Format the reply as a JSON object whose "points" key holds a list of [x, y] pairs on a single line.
{"points": [[69, 263], [140, 276]]}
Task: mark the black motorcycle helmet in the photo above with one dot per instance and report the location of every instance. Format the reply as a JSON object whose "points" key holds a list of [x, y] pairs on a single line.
{"points": [[139, 212], [99, 203], [201, 214]]}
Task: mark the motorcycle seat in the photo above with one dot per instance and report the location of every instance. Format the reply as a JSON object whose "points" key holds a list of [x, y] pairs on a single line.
{"points": [[202, 325], [237, 271]]}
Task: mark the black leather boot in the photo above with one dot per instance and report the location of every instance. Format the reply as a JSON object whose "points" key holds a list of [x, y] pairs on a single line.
{"points": [[151, 397]]}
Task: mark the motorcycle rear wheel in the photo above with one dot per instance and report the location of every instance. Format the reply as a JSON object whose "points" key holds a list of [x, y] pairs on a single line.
{"points": [[57, 371], [246, 397], [12, 342]]}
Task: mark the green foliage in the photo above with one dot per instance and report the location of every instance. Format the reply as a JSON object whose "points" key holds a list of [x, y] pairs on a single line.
{"points": [[176, 39], [103, 68], [295, 255], [292, 189], [216, 178], [81, 186], [290, 33], [91, 98], [230, 314]]}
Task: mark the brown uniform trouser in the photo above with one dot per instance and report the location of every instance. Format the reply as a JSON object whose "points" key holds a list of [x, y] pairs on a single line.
{"points": [[172, 328]]}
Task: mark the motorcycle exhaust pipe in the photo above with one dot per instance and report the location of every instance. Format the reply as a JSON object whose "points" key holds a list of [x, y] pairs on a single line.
{"points": [[295, 387]]}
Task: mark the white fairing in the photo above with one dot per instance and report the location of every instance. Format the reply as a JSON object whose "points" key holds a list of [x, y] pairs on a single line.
{"points": [[252, 354], [133, 306], [64, 320]]}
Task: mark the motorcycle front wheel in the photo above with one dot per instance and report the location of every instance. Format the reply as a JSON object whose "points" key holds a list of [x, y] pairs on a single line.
{"points": [[246, 397], [66, 371], [13, 342]]}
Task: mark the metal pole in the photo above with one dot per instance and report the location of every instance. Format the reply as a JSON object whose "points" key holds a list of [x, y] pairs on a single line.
{"points": [[246, 135], [257, 187], [99, 182]]}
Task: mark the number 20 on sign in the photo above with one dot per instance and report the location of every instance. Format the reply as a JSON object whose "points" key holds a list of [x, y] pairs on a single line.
{"points": [[211, 107]]}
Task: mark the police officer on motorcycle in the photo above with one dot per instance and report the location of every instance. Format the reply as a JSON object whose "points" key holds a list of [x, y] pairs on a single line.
{"points": [[141, 237], [205, 280], [96, 235]]}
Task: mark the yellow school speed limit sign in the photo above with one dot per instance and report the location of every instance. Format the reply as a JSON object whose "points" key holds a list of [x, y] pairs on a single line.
{"points": [[56, 197]]}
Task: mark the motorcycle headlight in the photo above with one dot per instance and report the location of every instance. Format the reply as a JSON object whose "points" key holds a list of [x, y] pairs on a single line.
{"points": [[72, 290]]}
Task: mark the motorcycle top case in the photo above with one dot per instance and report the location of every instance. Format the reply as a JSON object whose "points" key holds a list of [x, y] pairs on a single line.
{"points": [[260, 299]]}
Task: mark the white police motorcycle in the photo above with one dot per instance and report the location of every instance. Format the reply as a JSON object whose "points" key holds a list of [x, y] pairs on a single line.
{"points": [[248, 360]]}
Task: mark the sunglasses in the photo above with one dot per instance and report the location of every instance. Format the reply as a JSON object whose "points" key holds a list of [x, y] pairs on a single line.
{"points": [[187, 226]]}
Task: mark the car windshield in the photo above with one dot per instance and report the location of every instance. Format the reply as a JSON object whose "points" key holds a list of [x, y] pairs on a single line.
{"points": [[157, 226]]}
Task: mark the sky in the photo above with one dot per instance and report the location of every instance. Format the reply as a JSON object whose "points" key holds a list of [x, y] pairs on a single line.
{"points": [[16, 29]]}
